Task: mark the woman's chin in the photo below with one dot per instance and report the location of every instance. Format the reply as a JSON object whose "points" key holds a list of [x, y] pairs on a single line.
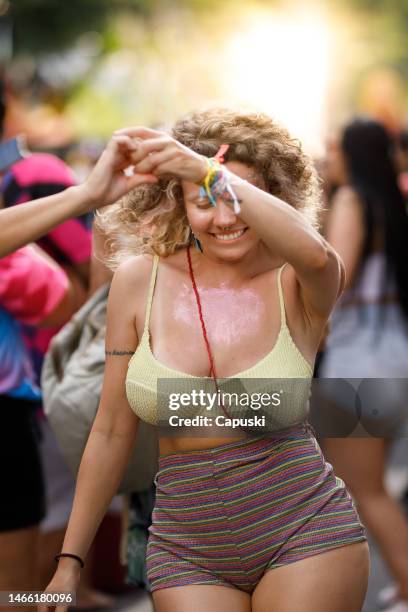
{"points": [[232, 252]]}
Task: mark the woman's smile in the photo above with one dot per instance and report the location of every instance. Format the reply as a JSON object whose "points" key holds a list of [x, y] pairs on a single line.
{"points": [[231, 236]]}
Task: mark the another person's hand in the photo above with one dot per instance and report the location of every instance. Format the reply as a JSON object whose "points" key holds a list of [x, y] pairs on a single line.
{"points": [[107, 182], [159, 154]]}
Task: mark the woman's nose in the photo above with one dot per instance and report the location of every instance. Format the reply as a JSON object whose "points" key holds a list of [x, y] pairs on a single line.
{"points": [[224, 214]]}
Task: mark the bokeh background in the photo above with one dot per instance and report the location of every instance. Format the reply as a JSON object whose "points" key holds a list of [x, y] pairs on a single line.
{"points": [[75, 70], [79, 69]]}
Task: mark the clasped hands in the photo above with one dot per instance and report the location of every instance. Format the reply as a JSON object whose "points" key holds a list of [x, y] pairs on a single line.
{"points": [[155, 152], [150, 153]]}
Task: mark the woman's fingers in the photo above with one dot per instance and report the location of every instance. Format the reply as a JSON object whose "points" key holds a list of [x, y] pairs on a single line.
{"points": [[119, 152], [126, 141], [139, 179], [121, 143], [152, 160], [164, 170], [151, 152], [150, 146], [156, 149]]}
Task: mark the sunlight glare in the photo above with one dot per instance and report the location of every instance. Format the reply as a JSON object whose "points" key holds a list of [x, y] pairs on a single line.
{"points": [[279, 63]]}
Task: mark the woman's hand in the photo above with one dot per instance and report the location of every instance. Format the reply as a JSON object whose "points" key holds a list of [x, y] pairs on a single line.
{"points": [[159, 154], [107, 181], [65, 580]]}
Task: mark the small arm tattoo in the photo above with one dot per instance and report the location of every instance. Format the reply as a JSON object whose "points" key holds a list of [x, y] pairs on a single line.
{"points": [[119, 353]]}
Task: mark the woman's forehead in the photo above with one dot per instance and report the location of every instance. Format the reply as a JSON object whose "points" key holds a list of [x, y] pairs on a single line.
{"points": [[249, 173]]}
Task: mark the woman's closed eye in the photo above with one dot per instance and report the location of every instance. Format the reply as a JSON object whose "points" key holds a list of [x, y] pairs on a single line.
{"points": [[202, 202]]}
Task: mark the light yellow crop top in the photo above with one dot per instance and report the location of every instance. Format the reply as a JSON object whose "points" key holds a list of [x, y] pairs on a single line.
{"points": [[284, 361]]}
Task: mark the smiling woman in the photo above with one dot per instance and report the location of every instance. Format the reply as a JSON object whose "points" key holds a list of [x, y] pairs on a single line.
{"points": [[153, 218], [240, 522], [219, 227]]}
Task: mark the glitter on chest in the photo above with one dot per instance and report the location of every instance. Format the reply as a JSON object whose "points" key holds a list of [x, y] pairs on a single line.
{"points": [[229, 314]]}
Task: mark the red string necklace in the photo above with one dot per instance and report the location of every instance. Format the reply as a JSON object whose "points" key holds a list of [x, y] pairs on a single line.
{"points": [[204, 330]]}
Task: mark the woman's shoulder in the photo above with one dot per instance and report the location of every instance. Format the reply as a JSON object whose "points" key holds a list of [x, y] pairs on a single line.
{"points": [[129, 288], [132, 275], [135, 268]]}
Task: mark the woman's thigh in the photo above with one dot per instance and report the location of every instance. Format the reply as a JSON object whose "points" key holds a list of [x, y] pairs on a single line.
{"points": [[201, 598], [335, 580]]}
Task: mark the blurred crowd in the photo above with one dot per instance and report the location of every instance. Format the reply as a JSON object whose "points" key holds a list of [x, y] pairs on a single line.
{"points": [[43, 285]]}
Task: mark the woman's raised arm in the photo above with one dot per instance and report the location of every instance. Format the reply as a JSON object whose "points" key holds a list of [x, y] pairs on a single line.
{"points": [[318, 268]]}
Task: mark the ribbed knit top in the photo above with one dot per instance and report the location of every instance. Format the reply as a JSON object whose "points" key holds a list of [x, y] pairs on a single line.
{"points": [[284, 361]]}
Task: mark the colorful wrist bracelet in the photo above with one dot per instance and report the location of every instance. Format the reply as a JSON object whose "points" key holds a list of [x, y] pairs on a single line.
{"points": [[218, 181]]}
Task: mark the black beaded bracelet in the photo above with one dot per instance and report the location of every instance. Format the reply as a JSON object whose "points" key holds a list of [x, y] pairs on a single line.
{"points": [[81, 563]]}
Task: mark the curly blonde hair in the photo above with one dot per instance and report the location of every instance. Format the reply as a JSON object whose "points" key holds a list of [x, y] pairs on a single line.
{"points": [[152, 218]]}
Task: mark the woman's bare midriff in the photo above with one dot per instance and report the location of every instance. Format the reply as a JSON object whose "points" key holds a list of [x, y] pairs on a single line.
{"points": [[168, 446]]}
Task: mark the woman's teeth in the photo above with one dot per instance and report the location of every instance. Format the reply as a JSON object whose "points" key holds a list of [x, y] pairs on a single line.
{"points": [[233, 236]]}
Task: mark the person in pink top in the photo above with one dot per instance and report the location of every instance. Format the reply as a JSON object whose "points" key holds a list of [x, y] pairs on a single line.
{"points": [[32, 286], [69, 244], [41, 175]]}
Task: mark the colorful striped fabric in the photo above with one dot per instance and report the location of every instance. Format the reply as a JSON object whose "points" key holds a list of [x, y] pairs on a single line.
{"points": [[227, 514]]}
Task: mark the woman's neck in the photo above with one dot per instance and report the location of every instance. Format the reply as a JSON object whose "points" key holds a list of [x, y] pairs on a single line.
{"points": [[221, 271]]}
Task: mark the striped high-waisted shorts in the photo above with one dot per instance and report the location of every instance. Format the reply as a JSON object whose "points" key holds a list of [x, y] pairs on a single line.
{"points": [[225, 515]]}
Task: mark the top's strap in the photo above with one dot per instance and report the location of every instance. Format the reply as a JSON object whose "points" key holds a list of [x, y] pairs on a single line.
{"points": [[281, 299], [151, 291]]}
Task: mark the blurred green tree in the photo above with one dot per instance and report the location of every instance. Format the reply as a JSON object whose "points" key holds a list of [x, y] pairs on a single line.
{"points": [[48, 25]]}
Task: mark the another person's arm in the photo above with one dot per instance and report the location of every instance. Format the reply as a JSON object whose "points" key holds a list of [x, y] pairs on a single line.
{"points": [[27, 222], [345, 230]]}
